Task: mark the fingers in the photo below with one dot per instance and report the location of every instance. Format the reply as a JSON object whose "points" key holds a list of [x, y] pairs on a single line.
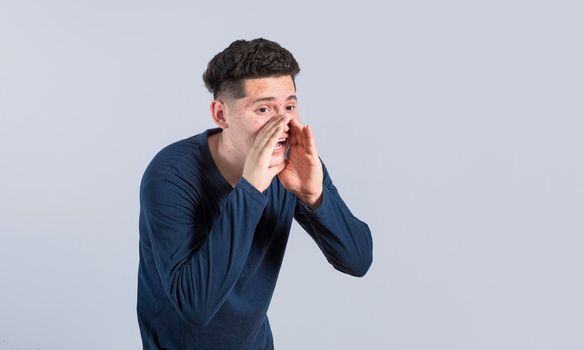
{"points": [[256, 168], [297, 133], [296, 124], [310, 143], [266, 133], [303, 136], [293, 131], [271, 141], [300, 134]]}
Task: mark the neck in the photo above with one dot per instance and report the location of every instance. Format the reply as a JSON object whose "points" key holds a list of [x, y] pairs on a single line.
{"points": [[227, 159]]}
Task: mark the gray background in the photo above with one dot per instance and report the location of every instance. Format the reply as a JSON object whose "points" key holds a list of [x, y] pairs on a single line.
{"points": [[453, 128]]}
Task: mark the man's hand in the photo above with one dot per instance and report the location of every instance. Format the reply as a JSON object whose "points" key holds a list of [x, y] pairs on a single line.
{"points": [[303, 172], [257, 170]]}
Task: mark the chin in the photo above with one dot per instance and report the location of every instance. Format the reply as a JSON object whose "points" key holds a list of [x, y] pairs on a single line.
{"points": [[277, 160]]}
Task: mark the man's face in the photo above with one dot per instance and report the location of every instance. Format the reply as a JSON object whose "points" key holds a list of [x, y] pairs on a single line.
{"points": [[265, 98]]}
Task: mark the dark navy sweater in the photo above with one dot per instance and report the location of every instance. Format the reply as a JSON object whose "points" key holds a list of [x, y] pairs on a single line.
{"points": [[210, 253]]}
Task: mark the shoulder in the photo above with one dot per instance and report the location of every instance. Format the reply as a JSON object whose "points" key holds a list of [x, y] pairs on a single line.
{"points": [[181, 161]]}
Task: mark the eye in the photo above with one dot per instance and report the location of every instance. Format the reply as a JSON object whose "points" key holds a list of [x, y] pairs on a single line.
{"points": [[291, 107], [263, 109]]}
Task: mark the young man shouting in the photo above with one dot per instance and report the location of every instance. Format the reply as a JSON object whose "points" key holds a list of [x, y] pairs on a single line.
{"points": [[216, 209]]}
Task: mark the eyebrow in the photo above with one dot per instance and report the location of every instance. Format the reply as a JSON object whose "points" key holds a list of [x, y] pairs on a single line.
{"points": [[291, 97]]}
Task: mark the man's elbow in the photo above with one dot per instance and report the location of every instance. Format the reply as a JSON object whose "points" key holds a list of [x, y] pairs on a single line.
{"points": [[195, 311], [363, 267], [191, 304], [363, 256], [199, 318], [358, 268]]}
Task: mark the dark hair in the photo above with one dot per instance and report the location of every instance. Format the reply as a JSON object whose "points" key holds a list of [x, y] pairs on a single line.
{"points": [[243, 59]]}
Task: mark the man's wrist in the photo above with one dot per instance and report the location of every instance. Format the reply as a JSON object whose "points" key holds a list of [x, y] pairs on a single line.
{"points": [[313, 202]]}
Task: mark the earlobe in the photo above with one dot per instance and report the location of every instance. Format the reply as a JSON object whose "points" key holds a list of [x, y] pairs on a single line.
{"points": [[218, 113]]}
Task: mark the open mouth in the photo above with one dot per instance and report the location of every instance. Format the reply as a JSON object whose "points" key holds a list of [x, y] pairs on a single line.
{"points": [[281, 143]]}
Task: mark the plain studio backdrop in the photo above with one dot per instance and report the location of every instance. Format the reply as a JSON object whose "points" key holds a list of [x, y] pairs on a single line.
{"points": [[453, 128]]}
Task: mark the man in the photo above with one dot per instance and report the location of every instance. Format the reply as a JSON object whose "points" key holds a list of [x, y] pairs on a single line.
{"points": [[216, 209]]}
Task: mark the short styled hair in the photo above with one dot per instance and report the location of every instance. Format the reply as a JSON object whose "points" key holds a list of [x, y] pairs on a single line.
{"points": [[242, 59]]}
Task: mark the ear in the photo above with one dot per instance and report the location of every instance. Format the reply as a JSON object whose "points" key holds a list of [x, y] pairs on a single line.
{"points": [[218, 112]]}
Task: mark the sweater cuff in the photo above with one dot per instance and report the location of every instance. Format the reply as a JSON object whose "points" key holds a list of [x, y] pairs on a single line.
{"points": [[324, 204], [249, 189]]}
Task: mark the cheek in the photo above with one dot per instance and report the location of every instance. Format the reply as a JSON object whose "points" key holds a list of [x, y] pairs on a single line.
{"points": [[260, 121], [248, 128], [258, 124], [249, 131]]}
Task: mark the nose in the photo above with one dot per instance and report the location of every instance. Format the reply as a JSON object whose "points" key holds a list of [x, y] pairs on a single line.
{"points": [[286, 127], [290, 114]]}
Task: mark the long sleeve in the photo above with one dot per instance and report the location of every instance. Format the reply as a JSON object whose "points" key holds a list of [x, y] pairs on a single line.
{"points": [[199, 267], [344, 240]]}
